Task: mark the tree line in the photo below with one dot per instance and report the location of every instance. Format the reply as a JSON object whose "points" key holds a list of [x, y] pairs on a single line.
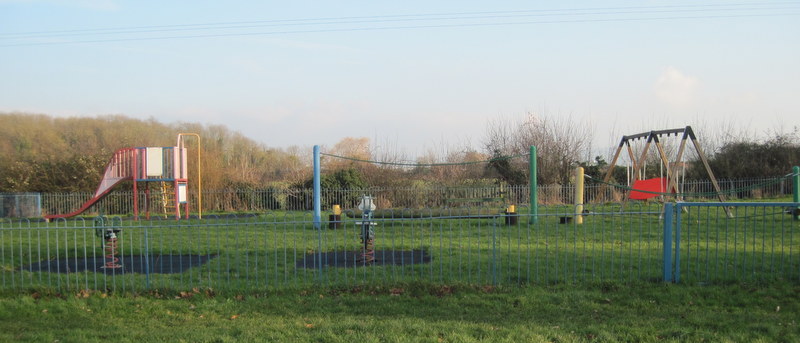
{"points": [[41, 153]]}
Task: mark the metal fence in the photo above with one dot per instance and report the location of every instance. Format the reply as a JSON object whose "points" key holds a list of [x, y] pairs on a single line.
{"points": [[294, 199], [20, 205], [733, 242], [474, 246]]}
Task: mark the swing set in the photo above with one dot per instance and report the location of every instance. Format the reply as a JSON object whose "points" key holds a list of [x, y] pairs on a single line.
{"points": [[643, 189]]}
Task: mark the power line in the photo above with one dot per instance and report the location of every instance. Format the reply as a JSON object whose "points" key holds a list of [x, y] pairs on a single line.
{"points": [[221, 35], [410, 17], [438, 21], [402, 164]]}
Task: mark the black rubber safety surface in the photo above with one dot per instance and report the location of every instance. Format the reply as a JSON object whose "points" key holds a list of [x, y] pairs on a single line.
{"points": [[153, 264]]}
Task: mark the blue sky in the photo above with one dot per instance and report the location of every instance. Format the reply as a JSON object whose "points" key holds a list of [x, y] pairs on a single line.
{"points": [[415, 75]]}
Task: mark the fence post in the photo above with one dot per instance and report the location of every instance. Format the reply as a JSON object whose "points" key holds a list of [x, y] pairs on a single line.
{"points": [[796, 190], [534, 210], [667, 248], [678, 213], [147, 257], [494, 253], [317, 197]]}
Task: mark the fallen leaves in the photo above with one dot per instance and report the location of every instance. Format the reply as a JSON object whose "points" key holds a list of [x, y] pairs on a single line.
{"points": [[189, 294]]}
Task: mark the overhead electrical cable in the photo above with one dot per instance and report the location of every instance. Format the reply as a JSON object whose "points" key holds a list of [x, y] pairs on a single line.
{"points": [[387, 18], [404, 164], [427, 21]]}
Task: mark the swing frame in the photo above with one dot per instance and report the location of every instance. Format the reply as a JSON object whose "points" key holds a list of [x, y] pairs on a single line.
{"points": [[654, 138]]}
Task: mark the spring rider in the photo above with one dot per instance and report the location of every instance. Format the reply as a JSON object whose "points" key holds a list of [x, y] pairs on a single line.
{"points": [[367, 206]]}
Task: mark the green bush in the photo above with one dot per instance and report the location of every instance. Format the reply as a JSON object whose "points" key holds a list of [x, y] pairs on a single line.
{"points": [[344, 181]]}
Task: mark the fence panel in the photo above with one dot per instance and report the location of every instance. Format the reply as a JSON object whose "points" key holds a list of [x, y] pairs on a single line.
{"points": [[746, 242], [476, 246]]}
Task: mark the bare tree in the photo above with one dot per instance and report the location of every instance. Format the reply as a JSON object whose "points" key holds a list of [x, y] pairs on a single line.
{"points": [[561, 143]]}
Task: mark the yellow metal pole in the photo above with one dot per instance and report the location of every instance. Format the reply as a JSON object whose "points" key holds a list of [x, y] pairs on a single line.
{"points": [[579, 195], [199, 174]]}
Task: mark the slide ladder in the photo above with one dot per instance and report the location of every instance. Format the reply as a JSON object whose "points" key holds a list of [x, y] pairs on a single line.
{"points": [[168, 197]]}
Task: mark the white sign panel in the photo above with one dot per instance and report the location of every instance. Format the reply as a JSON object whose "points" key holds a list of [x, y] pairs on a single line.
{"points": [[155, 161], [182, 198]]}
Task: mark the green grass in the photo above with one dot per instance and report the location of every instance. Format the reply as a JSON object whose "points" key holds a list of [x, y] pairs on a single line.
{"points": [[253, 253], [261, 252], [599, 312], [599, 281]]}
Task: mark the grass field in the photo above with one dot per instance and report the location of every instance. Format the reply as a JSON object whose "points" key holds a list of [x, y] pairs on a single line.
{"points": [[485, 281], [602, 312], [278, 251]]}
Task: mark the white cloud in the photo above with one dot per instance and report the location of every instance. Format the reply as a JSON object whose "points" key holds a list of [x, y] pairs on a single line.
{"points": [[675, 88]]}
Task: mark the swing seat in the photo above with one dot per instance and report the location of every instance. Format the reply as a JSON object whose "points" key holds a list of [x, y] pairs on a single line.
{"points": [[650, 188]]}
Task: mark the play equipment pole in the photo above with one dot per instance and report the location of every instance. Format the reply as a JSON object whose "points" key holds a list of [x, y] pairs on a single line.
{"points": [[317, 196], [579, 195], [534, 211], [796, 185], [199, 175]]}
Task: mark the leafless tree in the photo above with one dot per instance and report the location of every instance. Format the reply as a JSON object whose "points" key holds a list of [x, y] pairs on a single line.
{"points": [[561, 143]]}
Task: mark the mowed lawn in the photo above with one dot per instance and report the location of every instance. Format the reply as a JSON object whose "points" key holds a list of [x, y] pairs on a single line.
{"points": [[601, 312]]}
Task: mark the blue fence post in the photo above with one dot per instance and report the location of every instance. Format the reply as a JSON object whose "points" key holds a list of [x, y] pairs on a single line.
{"points": [[667, 258], [678, 211], [317, 196], [534, 187], [494, 253], [146, 258], [796, 191], [318, 209]]}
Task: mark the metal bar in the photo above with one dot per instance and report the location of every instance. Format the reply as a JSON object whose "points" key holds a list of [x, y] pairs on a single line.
{"points": [[534, 196], [679, 212], [666, 269]]}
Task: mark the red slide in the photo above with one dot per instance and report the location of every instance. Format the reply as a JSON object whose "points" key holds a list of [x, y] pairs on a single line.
{"points": [[119, 169]]}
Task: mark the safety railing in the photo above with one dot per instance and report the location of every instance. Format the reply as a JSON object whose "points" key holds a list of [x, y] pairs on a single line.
{"points": [[732, 242]]}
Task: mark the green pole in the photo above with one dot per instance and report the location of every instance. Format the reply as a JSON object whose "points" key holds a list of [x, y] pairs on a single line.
{"points": [[534, 188], [796, 185]]}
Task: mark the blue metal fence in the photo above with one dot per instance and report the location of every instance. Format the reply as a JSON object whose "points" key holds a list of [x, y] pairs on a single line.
{"points": [[684, 242], [733, 242]]}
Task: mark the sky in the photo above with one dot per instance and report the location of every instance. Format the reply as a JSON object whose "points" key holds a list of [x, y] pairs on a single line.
{"points": [[410, 75]]}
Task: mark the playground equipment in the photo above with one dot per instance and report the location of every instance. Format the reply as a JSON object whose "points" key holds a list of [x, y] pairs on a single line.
{"points": [[164, 165], [110, 247], [367, 206], [671, 180]]}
